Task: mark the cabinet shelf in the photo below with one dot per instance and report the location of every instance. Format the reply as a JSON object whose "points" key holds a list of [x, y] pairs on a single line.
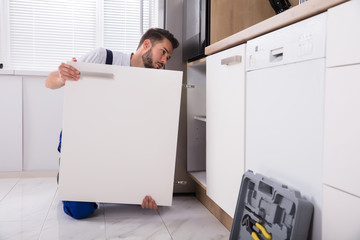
{"points": [[199, 177]]}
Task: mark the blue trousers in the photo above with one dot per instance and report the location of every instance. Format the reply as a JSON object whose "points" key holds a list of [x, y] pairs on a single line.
{"points": [[79, 210]]}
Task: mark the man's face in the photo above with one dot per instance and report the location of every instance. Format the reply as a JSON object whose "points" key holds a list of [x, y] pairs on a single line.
{"points": [[158, 55]]}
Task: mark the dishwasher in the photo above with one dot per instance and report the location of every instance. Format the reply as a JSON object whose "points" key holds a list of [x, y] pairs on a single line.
{"points": [[285, 77]]}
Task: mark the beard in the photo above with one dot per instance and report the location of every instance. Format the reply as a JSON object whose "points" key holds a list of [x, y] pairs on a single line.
{"points": [[147, 59]]}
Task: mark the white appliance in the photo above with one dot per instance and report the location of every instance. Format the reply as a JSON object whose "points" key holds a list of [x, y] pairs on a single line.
{"points": [[285, 107]]}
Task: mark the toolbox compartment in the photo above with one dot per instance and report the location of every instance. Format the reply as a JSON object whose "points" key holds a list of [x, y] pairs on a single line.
{"points": [[280, 210]]}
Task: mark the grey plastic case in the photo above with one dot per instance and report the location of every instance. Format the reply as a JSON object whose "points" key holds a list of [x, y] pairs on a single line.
{"points": [[280, 210]]}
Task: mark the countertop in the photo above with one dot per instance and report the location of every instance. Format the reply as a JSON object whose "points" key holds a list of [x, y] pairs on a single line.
{"points": [[292, 15]]}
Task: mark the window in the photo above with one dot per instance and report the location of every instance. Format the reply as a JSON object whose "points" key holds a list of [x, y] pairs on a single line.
{"points": [[40, 34]]}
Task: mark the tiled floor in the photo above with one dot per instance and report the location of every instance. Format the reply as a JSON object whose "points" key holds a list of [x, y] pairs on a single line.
{"points": [[30, 209]]}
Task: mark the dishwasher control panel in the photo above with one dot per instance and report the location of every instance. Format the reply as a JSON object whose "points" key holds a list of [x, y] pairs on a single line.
{"points": [[300, 41]]}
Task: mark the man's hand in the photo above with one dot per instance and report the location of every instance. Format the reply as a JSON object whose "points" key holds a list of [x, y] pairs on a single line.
{"points": [[68, 72], [148, 202], [58, 78]]}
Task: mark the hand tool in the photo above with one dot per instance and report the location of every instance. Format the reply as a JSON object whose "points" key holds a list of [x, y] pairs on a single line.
{"points": [[249, 223]]}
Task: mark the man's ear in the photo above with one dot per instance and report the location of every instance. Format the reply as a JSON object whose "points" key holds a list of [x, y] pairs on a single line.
{"points": [[147, 44]]}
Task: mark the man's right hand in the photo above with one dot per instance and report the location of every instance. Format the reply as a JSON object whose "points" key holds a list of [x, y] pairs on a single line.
{"points": [[68, 72], [64, 73]]}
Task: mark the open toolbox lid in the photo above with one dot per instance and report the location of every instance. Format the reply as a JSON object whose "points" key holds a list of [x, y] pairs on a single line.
{"points": [[266, 206]]}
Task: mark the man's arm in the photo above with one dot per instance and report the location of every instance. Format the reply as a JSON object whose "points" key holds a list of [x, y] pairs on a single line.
{"points": [[58, 78]]}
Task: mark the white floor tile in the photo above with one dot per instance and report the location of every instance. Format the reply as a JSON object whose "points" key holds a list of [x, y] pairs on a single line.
{"points": [[193, 228], [30, 199], [30, 209], [68, 228], [189, 219], [20, 230], [185, 206], [148, 227], [118, 211], [6, 184]]}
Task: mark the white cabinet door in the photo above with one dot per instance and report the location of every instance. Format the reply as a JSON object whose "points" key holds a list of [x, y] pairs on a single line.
{"points": [[120, 129], [42, 117], [342, 129], [343, 34], [10, 123], [341, 215], [225, 108]]}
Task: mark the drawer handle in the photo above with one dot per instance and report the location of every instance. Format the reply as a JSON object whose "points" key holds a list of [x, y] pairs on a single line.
{"points": [[97, 75], [231, 60]]}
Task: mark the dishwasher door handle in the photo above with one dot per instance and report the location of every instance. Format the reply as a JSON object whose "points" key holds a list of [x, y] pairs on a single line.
{"points": [[231, 60]]}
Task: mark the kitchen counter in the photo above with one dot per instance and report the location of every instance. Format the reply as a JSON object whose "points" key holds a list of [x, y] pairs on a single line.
{"points": [[292, 15]]}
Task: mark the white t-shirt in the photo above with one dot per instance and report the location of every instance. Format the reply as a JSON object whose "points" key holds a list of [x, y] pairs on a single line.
{"points": [[98, 55]]}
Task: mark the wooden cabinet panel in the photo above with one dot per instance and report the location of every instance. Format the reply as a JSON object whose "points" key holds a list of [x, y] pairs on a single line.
{"points": [[231, 16]]}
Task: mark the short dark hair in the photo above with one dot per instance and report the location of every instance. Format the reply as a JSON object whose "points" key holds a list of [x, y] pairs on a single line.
{"points": [[158, 34]]}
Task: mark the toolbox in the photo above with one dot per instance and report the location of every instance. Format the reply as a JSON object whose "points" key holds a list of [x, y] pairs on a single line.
{"points": [[267, 209]]}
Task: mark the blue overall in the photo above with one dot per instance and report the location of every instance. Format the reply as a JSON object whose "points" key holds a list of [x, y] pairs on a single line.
{"points": [[79, 210]]}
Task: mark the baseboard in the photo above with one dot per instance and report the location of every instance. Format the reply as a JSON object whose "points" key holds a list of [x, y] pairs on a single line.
{"points": [[28, 174], [217, 211]]}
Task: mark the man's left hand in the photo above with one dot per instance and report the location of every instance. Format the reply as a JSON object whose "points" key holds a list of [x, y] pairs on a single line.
{"points": [[148, 202]]}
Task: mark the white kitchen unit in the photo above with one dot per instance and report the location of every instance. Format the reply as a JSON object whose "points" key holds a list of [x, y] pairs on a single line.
{"points": [[196, 119], [42, 118], [342, 128], [10, 123], [225, 109], [342, 124], [343, 35], [284, 108], [341, 215]]}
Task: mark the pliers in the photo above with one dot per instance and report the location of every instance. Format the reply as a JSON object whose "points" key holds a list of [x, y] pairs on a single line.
{"points": [[249, 223]]}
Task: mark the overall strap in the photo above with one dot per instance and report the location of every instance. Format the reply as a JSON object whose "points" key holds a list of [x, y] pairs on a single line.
{"points": [[109, 57]]}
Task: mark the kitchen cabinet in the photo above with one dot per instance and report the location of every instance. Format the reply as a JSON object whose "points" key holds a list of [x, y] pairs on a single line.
{"points": [[231, 16], [341, 215], [42, 122], [196, 118], [10, 123], [343, 35], [225, 111], [342, 130], [301, 125]]}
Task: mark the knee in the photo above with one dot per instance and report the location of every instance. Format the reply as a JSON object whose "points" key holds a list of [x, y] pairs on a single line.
{"points": [[79, 210]]}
